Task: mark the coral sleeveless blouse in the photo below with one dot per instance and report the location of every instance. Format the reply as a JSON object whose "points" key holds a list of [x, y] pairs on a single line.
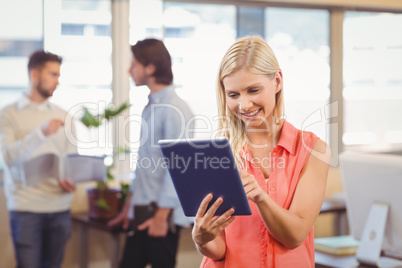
{"points": [[249, 244]]}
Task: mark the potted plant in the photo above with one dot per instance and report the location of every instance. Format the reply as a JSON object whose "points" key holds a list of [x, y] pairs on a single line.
{"points": [[105, 202]]}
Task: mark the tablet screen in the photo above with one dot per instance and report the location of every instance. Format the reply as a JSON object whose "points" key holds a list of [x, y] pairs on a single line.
{"points": [[202, 166]]}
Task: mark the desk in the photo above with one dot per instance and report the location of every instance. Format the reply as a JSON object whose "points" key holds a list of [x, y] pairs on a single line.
{"points": [[323, 260], [330, 205], [339, 208], [84, 223]]}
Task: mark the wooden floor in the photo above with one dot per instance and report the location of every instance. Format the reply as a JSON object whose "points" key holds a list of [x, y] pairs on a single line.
{"points": [[188, 256]]}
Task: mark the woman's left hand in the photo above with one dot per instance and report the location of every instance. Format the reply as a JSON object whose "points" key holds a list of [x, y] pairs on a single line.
{"points": [[251, 187], [207, 226]]}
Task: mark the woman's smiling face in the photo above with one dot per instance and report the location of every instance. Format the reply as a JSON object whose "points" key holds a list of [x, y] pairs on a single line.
{"points": [[252, 96]]}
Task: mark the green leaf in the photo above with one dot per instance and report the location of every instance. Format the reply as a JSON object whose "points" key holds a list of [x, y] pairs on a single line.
{"points": [[89, 120], [123, 150], [110, 177], [101, 185], [124, 192], [103, 204], [114, 112]]}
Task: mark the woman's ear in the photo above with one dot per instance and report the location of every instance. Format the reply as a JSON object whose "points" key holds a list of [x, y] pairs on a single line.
{"points": [[278, 81]]}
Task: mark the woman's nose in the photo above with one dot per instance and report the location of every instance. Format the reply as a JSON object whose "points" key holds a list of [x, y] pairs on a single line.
{"points": [[244, 103]]}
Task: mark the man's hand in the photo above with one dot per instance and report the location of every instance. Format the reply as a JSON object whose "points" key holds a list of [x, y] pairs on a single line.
{"points": [[122, 218], [157, 225], [67, 185], [51, 126]]}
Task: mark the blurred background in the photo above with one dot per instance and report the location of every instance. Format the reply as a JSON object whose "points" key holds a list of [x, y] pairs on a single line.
{"points": [[362, 104], [342, 63]]}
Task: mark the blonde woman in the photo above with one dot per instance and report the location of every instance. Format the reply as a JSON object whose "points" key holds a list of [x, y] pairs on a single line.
{"points": [[284, 170]]}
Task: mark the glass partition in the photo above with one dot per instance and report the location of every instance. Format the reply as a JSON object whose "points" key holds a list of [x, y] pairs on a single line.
{"points": [[80, 31], [300, 40], [197, 36], [21, 32], [372, 81]]}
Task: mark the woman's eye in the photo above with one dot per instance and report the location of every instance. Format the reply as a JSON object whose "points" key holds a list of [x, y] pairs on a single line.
{"points": [[232, 95], [254, 90]]}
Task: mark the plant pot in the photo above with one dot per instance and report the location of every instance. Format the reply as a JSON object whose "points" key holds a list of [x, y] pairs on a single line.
{"points": [[110, 197]]}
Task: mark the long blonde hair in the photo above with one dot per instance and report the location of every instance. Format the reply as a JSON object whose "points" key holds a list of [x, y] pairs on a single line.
{"points": [[252, 54]]}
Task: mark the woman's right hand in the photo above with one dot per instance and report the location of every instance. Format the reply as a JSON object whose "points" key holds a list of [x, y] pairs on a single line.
{"points": [[207, 226]]}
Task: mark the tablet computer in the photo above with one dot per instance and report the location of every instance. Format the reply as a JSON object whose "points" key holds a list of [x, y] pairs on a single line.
{"points": [[202, 166]]}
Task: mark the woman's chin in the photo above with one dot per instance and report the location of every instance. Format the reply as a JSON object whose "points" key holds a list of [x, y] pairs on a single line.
{"points": [[256, 124]]}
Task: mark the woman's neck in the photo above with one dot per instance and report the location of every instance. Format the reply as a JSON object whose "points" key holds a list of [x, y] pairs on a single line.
{"points": [[263, 138]]}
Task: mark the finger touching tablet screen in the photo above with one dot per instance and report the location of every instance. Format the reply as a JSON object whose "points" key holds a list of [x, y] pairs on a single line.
{"points": [[202, 166]]}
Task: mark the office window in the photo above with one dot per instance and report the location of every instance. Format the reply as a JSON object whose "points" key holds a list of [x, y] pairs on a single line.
{"points": [[197, 36], [206, 34], [82, 29], [21, 32], [72, 29], [145, 22], [250, 21], [300, 40], [79, 31], [18, 48], [372, 81]]}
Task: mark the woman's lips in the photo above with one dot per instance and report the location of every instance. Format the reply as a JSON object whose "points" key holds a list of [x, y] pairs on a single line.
{"points": [[251, 115]]}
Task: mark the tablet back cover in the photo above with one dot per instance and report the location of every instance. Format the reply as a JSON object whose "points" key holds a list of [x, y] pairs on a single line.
{"points": [[202, 166]]}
